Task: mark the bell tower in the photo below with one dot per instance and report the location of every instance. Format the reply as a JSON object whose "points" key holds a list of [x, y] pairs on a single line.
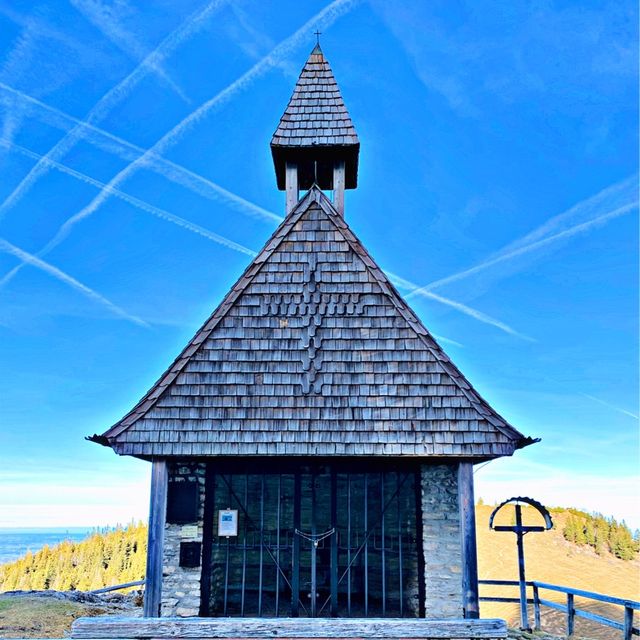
{"points": [[316, 142]]}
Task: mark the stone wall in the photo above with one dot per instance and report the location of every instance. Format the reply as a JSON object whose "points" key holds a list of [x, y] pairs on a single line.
{"points": [[180, 585], [441, 541]]}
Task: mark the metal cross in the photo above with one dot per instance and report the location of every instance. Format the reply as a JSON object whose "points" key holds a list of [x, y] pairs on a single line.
{"points": [[318, 34]]}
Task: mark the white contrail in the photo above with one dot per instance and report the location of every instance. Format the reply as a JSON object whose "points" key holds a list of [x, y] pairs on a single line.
{"points": [[440, 338], [101, 17], [323, 18], [612, 197], [478, 315], [182, 175], [113, 97], [170, 217], [18, 61], [160, 213], [129, 151], [326, 16], [610, 203], [136, 202], [611, 406], [463, 308], [28, 258], [538, 244], [44, 30]]}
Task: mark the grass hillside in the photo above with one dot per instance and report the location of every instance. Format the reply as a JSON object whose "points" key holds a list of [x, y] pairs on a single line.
{"points": [[48, 615], [551, 558]]}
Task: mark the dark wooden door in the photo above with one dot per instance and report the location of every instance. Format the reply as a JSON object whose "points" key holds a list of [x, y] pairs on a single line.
{"points": [[313, 540]]}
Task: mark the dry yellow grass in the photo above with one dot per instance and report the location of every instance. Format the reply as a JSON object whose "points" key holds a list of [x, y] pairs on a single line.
{"points": [[38, 617], [550, 558]]}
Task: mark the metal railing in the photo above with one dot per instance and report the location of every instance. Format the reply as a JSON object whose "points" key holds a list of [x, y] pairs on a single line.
{"points": [[569, 608], [117, 587]]}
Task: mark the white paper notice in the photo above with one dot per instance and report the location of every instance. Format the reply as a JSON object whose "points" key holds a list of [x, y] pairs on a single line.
{"points": [[189, 531], [228, 522]]}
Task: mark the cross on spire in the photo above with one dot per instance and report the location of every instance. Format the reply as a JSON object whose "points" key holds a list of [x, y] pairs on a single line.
{"points": [[317, 35]]}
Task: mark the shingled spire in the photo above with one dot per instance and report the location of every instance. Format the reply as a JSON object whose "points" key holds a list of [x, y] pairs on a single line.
{"points": [[316, 142]]}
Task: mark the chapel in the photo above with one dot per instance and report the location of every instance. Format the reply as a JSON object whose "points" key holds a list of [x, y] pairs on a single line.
{"points": [[312, 447]]}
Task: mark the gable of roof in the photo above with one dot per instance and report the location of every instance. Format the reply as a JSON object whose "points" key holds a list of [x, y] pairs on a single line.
{"points": [[313, 352]]}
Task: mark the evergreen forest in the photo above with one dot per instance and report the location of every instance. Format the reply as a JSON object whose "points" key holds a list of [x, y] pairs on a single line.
{"points": [[105, 558], [600, 533]]}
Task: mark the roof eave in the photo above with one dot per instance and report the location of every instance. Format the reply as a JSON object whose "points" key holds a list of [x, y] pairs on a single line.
{"points": [[99, 439], [526, 441]]}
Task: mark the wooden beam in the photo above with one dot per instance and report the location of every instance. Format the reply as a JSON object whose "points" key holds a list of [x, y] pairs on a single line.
{"points": [[338, 186], [470, 605], [107, 627], [157, 517], [291, 185]]}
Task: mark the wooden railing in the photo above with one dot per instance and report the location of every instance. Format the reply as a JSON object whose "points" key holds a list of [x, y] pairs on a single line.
{"points": [[569, 609]]}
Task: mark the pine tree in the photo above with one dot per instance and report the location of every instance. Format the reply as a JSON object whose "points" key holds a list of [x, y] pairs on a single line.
{"points": [[581, 537], [620, 541], [590, 532], [570, 529]]}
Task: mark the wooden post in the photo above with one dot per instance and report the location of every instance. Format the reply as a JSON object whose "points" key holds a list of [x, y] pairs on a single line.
{"points": [[207, 539], [571, 613], [524, 614], [157, 517], [334, 543], [628, 623], [470, 602], [338, 186], [536, 608], [291, 185]]}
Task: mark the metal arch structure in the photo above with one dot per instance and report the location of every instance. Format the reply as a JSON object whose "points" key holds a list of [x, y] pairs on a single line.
{"points": [[521, 530], [539, 507]]}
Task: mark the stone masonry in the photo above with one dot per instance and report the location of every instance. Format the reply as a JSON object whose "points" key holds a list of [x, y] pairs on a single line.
{"points": [[180, 585], [441, 541]]}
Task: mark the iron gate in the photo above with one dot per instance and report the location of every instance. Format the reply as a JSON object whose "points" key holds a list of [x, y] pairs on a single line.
{"points": [[313, 540]]}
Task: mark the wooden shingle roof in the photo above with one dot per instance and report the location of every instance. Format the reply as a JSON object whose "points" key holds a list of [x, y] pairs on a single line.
{"points": [[313, 352], [316, 114]]}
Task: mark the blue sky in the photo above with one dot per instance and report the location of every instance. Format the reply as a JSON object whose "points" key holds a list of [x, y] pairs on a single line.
{"points": [[498, 189]]}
